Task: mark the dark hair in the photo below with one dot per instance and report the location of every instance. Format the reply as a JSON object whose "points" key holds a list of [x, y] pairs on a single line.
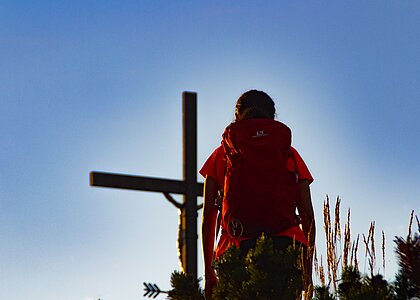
{"points": [[254, 104]]}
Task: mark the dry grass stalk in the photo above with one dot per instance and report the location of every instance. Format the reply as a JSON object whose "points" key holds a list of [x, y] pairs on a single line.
{"points": [[372, 247], [305, 257], [336, 236], [327, 218], [327, 230], [321, 273], [348, 256], [346, 241], [316, 265], [353, 259], [331, 235], [383, 251], [337, 230], [367, 250]]}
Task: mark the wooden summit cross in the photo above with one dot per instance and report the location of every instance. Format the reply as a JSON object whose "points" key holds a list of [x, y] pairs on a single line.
{"points": [[188, 187]]}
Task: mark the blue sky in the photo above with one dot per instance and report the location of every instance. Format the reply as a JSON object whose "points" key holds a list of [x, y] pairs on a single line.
{"points": [[87, 85]]}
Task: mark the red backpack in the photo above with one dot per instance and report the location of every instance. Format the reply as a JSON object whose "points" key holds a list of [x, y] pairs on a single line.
{"points": [[259, 190]]}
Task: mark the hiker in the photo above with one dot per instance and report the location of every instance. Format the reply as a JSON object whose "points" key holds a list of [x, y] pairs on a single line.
{"points": [[276, 172]]}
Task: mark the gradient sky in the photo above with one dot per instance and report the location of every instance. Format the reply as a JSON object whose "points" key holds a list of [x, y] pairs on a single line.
{"points": [[96, 85]]}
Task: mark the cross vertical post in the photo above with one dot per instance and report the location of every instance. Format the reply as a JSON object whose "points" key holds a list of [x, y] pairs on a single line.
{"points": [[189, 210]]}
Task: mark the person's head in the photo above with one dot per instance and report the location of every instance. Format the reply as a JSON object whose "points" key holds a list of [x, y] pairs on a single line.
{"points": [[254, 104]]}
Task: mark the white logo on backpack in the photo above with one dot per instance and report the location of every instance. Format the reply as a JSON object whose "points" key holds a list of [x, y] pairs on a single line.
{"points": [[259, 133]]}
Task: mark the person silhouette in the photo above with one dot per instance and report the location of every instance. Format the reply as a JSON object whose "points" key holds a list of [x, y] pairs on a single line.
{"points": [[253, 105]]}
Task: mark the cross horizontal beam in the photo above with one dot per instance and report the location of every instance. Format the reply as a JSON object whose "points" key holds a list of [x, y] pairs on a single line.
{"points": [[142, 183]]}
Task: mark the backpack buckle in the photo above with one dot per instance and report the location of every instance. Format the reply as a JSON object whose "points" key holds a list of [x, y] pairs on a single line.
{"points": [[218, 199], [235, 228]]}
